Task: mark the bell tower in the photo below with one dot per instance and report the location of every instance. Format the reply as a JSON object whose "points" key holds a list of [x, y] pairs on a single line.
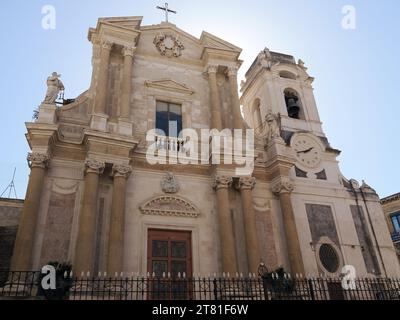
{"points": [[277, 83]]}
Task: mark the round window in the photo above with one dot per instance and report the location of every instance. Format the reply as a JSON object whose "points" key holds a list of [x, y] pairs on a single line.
{"points": [[329, 258]]}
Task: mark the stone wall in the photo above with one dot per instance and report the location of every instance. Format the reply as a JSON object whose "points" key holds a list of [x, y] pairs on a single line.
{"points": [[10, 212]]}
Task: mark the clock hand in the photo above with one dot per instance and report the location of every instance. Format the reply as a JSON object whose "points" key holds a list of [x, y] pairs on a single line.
{"points": [[305, 151]]}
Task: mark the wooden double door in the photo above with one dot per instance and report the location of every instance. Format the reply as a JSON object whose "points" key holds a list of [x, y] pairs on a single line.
{"points": [[169, 259], [169, 252]]}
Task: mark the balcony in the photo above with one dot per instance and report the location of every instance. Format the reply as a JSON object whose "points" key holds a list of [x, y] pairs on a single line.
{"points": [[170, 144]]}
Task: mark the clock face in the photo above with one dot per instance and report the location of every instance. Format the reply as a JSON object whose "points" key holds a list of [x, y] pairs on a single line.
{"points": [[308, 152]]}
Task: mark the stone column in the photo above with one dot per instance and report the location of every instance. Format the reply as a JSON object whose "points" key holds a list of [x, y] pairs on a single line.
{"points": [[237, 115], [85, 244], [246, 186], [99, 119], [216, 121], [117, 227], [126, 91], [283, 188], [228, 244], [23, 248]]}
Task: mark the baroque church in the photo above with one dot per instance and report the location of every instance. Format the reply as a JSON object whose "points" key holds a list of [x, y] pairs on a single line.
{"points": [[95, 200]]}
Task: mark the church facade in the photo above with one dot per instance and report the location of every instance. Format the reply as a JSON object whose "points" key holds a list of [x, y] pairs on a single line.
{"points": [[98, 200]]}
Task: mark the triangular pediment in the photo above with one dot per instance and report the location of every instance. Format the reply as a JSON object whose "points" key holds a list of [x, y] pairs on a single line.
{"points": [[170, 85], [132, 23], [169, 28], [211, 41]]}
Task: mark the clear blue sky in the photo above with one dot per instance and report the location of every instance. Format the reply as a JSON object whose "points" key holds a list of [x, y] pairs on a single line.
{"points": [[357, 74]]}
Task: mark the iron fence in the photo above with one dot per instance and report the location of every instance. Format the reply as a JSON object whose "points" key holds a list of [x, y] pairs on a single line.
{"points": [[27, 285]]}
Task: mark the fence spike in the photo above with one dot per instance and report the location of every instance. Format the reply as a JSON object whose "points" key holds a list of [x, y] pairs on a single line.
{"points": [[215, 274], [241, 275], [229, 275], [169, 275], [223, 275], [82, 274], [71, 274], [65, 275]]}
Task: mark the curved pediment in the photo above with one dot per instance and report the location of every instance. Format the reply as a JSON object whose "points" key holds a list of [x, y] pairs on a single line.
{"points": [[170, 206]]}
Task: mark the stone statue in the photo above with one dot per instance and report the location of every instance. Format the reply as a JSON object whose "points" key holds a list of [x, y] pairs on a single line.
{"points": [[301, 64], [272, 127], [54, 86]]}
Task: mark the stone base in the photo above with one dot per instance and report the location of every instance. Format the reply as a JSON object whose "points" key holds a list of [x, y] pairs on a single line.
{"points": [[47, 113], [125, 127], [99, 122]]}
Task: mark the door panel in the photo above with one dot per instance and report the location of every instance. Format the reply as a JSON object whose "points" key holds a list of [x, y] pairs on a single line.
{"points": [[169, 252]]}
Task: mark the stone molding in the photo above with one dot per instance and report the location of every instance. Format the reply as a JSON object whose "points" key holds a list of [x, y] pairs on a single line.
{"points": [[222, 182], [284, 185], [120, 170], [170, 206], [38, 160], [94, 166]]}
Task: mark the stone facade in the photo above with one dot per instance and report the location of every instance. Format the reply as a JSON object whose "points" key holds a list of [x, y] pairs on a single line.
{"points": [[93, 197]]}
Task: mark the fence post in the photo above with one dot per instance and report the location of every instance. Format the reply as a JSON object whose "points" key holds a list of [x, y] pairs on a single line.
{"points": [[215, 290], [311, 288]]}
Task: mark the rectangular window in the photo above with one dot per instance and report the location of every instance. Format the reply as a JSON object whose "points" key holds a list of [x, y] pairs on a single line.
{"points": [[396, 221], [168, 119]]}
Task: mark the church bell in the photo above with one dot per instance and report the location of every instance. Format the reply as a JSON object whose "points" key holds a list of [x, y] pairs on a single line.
{"points": [[293, 108]]}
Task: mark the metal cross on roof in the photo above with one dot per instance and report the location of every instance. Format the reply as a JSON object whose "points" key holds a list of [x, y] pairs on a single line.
{"points": [[167, 11]]}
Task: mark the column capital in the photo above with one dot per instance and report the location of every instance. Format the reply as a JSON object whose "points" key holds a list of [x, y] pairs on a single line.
{"points": [[222, 182], [38, 160], [94, 166], [212, 68], [246, 183], [283, 185], [120, 170], [128, 51], [232, 72], [106, 44]]}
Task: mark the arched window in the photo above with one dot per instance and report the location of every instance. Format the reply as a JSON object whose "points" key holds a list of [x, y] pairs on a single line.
{"points": [[293, 104], [257, 118]]}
